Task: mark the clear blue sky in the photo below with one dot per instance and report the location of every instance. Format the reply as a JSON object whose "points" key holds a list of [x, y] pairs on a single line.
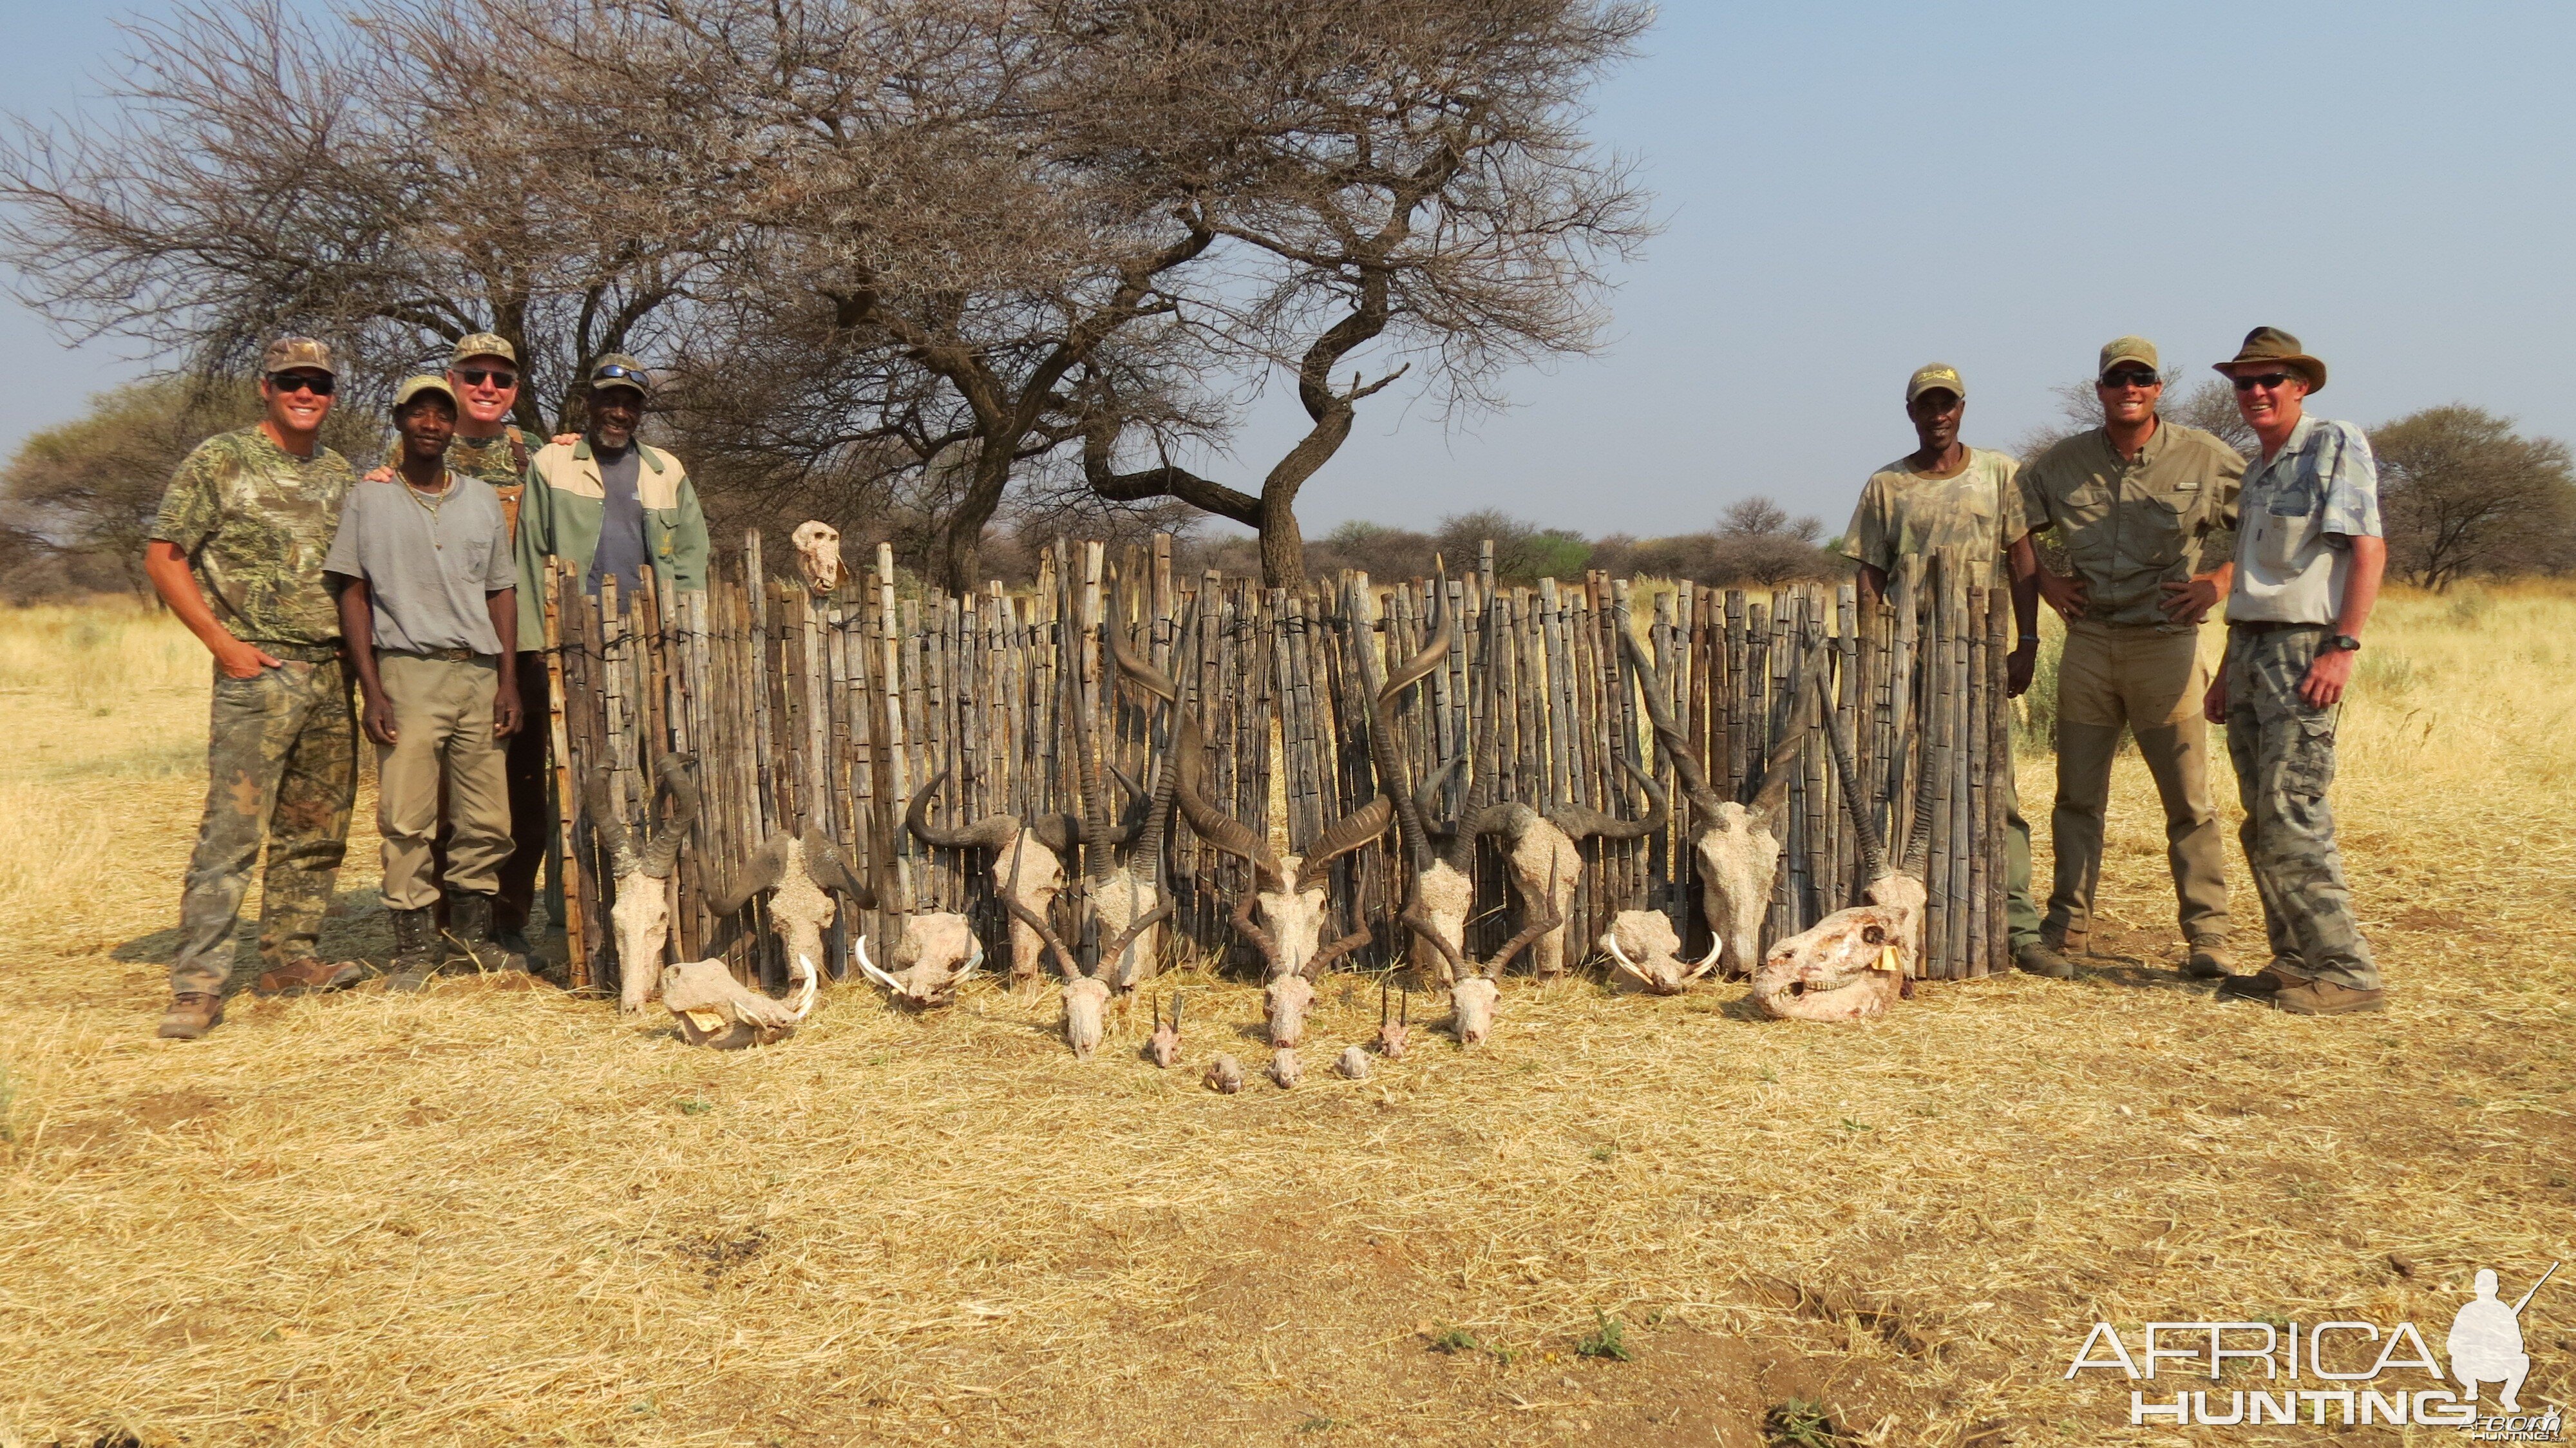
{"points": [[1852, 190]]}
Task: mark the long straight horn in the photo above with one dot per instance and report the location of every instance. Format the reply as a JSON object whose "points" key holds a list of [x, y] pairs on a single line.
{"points": [[604, 824], [1686, 761]]}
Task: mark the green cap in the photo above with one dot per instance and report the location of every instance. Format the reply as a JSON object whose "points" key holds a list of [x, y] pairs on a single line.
{"points": [[1931, 375], [619, 370], [2271, 349], [418, 385], [2128, 349], [485, 344], [288, 353]]}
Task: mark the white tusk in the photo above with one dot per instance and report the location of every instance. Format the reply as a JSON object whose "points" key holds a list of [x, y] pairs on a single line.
{"points": [[874, 974], [972, 962], [1701, 969], [1611, 939], [808, 978]]}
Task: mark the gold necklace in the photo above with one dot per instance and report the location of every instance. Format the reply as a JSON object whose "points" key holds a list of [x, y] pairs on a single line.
{"points": [[447, 489]]}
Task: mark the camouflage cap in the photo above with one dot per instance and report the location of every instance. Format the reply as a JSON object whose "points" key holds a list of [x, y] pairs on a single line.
{"points": [[291, 352], [1932, 375], [616, 369], [2271, 347], [418, 385], [2128, 349], [485, 344]]}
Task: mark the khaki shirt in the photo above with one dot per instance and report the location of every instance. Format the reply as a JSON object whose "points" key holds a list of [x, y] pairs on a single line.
{"points": [[1967, 519], [2302, 511], [2134, 524]]}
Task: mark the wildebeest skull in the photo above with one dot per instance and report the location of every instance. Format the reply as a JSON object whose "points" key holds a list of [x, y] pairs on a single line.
{"points": [[716, 1010], [1646, 950], [937, 953], [818, 555], [1028, 863], [801, 874], [641, 916]]}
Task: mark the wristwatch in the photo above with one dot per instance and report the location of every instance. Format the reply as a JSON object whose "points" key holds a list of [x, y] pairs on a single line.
{"points": [[2345, 642]]}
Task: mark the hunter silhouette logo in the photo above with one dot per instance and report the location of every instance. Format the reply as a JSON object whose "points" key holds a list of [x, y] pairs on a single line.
{"points": [[2486, 1341]]}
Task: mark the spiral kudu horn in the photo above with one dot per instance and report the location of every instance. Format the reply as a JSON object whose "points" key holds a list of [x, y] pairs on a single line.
{"points": [[1686, 761]]}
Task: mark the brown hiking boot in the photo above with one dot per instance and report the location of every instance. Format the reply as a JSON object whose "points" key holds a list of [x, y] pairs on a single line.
{"points": [[416, 952], [2040, 958], [2264, 984], [471, 938], [308, 976], [191, 1014], [2209, 961], [2325, 998]]}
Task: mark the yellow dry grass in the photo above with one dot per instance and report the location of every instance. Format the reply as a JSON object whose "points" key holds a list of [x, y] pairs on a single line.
{"points": [[478, 1216]]}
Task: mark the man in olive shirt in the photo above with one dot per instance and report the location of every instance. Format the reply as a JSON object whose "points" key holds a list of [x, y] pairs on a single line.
{"points": [[237, 555], [608, 505], [1956, 505], [2146, 510]]}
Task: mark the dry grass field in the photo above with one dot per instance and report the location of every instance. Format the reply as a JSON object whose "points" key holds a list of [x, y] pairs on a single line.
{"points": [[479, 1216]]}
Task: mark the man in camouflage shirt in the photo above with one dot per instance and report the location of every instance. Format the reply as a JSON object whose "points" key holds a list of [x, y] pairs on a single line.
{"points": [[237, 555], [2146, 510], [1958, 507]]}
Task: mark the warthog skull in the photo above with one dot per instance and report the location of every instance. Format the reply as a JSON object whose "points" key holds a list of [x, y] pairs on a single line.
{"points": [[716, 1010], [938, 953], [818, 555], [641, 916], [1647, 950]]}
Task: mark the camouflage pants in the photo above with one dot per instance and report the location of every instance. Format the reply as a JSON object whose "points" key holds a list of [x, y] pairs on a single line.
{"points": [[281, 759], [2284, 753]]}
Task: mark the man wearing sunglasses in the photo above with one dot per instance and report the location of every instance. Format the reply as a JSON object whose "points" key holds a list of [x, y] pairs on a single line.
{"points": [[2309, 555], [1958, 507], [2146, 510], [237, 554]]}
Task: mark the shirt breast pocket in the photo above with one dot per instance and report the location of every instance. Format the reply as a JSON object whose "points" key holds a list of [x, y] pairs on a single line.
{"points": [[2286, 524]]}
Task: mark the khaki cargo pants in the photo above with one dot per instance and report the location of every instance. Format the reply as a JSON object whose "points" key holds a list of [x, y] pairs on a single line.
{"points": [[281, 761], [2151, 682], [442, 710]]}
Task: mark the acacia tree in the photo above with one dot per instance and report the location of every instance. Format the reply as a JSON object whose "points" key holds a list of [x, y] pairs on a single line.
{"points": [[2461, 492], [1411, 173]]}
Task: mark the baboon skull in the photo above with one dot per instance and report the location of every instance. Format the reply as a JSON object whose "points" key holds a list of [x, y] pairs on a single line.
{"points": [[818, 555], [937, 953], [1849, 966], [1646, 950]]}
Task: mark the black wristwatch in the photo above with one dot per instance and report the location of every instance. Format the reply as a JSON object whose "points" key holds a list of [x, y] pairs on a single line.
{"points": [[2345, 642]]}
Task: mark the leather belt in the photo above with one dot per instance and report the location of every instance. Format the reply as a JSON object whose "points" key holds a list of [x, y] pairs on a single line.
{"points": [[2266, 625], [450, 656]]}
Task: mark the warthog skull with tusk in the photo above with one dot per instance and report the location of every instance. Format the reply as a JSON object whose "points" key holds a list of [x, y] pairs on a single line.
{"points": [[1645, 948], [937, 953], [818, 555], [716, 1010], [641, 916]]}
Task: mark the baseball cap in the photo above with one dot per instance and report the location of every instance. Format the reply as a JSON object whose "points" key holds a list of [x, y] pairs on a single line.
{"points": [[1931, 375], [2129, 349], [485, 344], [288, 353], [619, 370], [418, 385]]}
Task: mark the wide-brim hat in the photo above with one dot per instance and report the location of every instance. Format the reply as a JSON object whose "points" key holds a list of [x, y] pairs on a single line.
{"points": [[2272, 347]]}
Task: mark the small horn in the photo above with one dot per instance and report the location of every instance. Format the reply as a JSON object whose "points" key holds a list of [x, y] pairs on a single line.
{"points": [[973, 962], [1176, 1013], [868, 967], [766, 867], [611, 833]]}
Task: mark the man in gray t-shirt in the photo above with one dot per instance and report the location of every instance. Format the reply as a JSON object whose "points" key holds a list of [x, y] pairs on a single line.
{"points": [[429, 609]]}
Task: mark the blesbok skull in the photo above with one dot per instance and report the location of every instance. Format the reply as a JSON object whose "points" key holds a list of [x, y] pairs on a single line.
{"points": [[1164, 1050], [1645, 948], [1283, 914], [1086, 992], [1476, 989], [818, 555], [1853, 964], [716, 1010], [641, 916], [801, 873], [937, 953], [1737, 847], [1028, 864]]}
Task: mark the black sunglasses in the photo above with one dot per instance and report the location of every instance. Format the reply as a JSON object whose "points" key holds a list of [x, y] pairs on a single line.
{"points": [[2267, 380], [322, 385], [2127, 377], [477, 376]]}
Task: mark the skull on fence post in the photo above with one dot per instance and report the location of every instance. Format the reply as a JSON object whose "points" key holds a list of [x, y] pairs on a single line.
{"points": [[818, 555]]}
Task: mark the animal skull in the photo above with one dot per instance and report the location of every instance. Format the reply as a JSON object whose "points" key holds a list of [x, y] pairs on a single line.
{"points": [[818, 555], [1086, 1002], [1223, 1075], [1392, 1034], [1475, 989], [1643, 944], [798, 871], [1285, 1002], [641, 915], [1472, 1002], [1851, 965], [1028, 864], [1352, 1064], [716, 1010], [939, 953], [1284, 1070], [1164, 1050]]}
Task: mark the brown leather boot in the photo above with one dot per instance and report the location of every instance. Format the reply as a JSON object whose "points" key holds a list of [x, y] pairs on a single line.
{"points": [[471, 937], [416, 950], [308, 976], [2209, 961], [2326, 998], [191, 1014], [2261, 986]]}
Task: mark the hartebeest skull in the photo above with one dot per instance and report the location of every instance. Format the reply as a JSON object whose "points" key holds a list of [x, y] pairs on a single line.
{"points": [[936, 954], [1288, 892], [641, 916], [1648, 951], [818, 555], [1853, 964], [1738, 850], [1028, 864], [1474, 990], [801, 874], [716, 1010]]}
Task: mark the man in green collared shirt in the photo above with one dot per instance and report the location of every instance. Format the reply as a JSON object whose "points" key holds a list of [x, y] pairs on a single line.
{"points": [[607, 504], [2146, 509]]}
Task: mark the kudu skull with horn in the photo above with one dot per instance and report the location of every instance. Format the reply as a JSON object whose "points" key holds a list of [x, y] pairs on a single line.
{"points": [[1440, 850], [641, 917]]}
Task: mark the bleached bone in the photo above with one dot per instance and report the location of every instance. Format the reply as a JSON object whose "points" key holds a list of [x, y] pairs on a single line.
{"points": [[1645, 948], [1853, 964], [1028, 863], [818, 555], [937, 953], [1476, 989], [1086, 994], [1392, 1035], [1543, 855], [1739, 852], [714, 1009], [1288, 891], [641, 916], [1164, 1049], [801, 873], [1352, 1064], [1440, 850], [1223, 1075], [1284, 1071]]}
